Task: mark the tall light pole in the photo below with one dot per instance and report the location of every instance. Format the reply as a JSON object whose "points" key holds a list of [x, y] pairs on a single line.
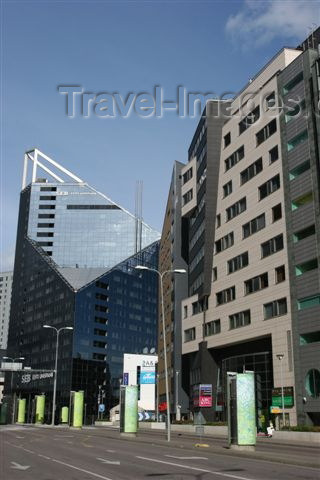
{"points": [[161, 275], [57, 330], [11, 385], [280, 357]]}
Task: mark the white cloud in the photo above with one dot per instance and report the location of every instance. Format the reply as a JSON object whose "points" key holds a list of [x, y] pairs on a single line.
{"points": [[259, 22]]}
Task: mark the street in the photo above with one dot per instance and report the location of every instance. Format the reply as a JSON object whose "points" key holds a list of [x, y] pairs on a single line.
{"points": [[44, 453]]}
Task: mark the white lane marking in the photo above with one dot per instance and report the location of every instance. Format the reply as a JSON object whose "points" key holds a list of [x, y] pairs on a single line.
{"points": [[26, 450], [186, 458], [111, 462], [17, 466], [110, 451], [81, 469], [19, 437], [194, 468], [44, 456]]}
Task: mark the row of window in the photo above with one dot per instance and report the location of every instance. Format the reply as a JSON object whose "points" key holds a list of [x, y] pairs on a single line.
{"points": [[272, 309]]}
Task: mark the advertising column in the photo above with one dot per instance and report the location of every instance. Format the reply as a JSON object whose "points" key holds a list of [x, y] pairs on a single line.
{"points": [[246, 414], [40, 403], [21, 410], [77, 409], [130, 425]]}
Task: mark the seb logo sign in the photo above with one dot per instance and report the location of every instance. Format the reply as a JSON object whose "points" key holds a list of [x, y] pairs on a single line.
{"points": [[148, 363]]}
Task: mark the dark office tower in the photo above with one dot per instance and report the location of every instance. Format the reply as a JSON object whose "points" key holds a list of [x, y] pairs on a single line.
{"points": [[74, 266], [175, 289], [199, 200], [263, 306]]}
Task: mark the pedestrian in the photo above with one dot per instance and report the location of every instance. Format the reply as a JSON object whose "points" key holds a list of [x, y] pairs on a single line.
{"points": [[270, 429]]}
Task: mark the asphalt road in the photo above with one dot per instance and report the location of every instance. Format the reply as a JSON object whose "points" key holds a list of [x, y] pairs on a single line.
{"points": [[34, 453]]}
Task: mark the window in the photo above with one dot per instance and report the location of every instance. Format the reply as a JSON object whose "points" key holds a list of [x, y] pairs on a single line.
{"points": [[187, 197], [249, 120], [190, 334], [44, 234], [275, 308], [225, 296], [295, 111], [266, 132], [270, 101], [251, 171], [269, 187], [273, 245], [227, 189], [218, 220], [306, 266], [304, 233], [45, 225], [312, 383], [227, 139], [236, 208], [240, 319], [214, 274], [224, 242], [290, 85], [310, 337], [45, 244], [47, 207], [280, 274], [93, 207], [308, 302], [254, 225], [234, 158], [185, 311], [295, 141], [299, 169], [48, 189], [276, 212], [212, 328], [273, 154], [187, 176], [238, 262], [300, 201], [256, 283], [46, 197], [46, 215]]}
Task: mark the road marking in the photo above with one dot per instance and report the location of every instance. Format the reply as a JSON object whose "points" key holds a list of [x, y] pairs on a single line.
{"points": [[44, 456], [111, 462], [81, 470], [17, 466], [194, 468], [20, 437], [110, 451], [186, 458], [26, 450]]}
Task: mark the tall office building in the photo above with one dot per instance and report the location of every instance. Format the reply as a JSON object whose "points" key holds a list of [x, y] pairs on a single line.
{"points": [[75, 256], [5, 303], [263, 305], [175, 289]]}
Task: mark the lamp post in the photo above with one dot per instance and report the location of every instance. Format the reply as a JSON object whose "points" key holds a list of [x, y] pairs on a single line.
{"points": [[161, 275], [57, 330], [11, 385], [280, 357]]}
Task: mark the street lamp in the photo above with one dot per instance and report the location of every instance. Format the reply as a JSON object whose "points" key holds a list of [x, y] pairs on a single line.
{"points": [[57, 330], [280, 357], [161, 275], [11, 385]]}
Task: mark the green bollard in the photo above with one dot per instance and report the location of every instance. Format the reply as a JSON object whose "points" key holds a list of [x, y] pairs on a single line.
{"points": [[64, 415], [3, 413], [22, 410], [40, 403], [78, 409]]}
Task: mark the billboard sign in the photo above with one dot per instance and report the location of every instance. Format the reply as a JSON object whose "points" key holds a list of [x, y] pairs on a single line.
{"points": [[288, 397], [202, 395], [147, 378], [125, 379]]}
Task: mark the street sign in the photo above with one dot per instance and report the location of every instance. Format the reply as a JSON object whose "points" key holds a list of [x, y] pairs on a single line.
{"points": [[102, 408], [198, 419], [143, 416], [275, 409], [125, 379], [288, 397]]}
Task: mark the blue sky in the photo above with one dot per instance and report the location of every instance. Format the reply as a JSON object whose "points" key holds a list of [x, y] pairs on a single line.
{"points": [[124, 46]]}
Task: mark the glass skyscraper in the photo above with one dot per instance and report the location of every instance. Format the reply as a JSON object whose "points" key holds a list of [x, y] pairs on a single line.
{"points": [[75, 256]]}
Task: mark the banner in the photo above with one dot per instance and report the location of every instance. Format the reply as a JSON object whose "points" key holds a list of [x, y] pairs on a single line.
{"points": [[147, 378]]}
